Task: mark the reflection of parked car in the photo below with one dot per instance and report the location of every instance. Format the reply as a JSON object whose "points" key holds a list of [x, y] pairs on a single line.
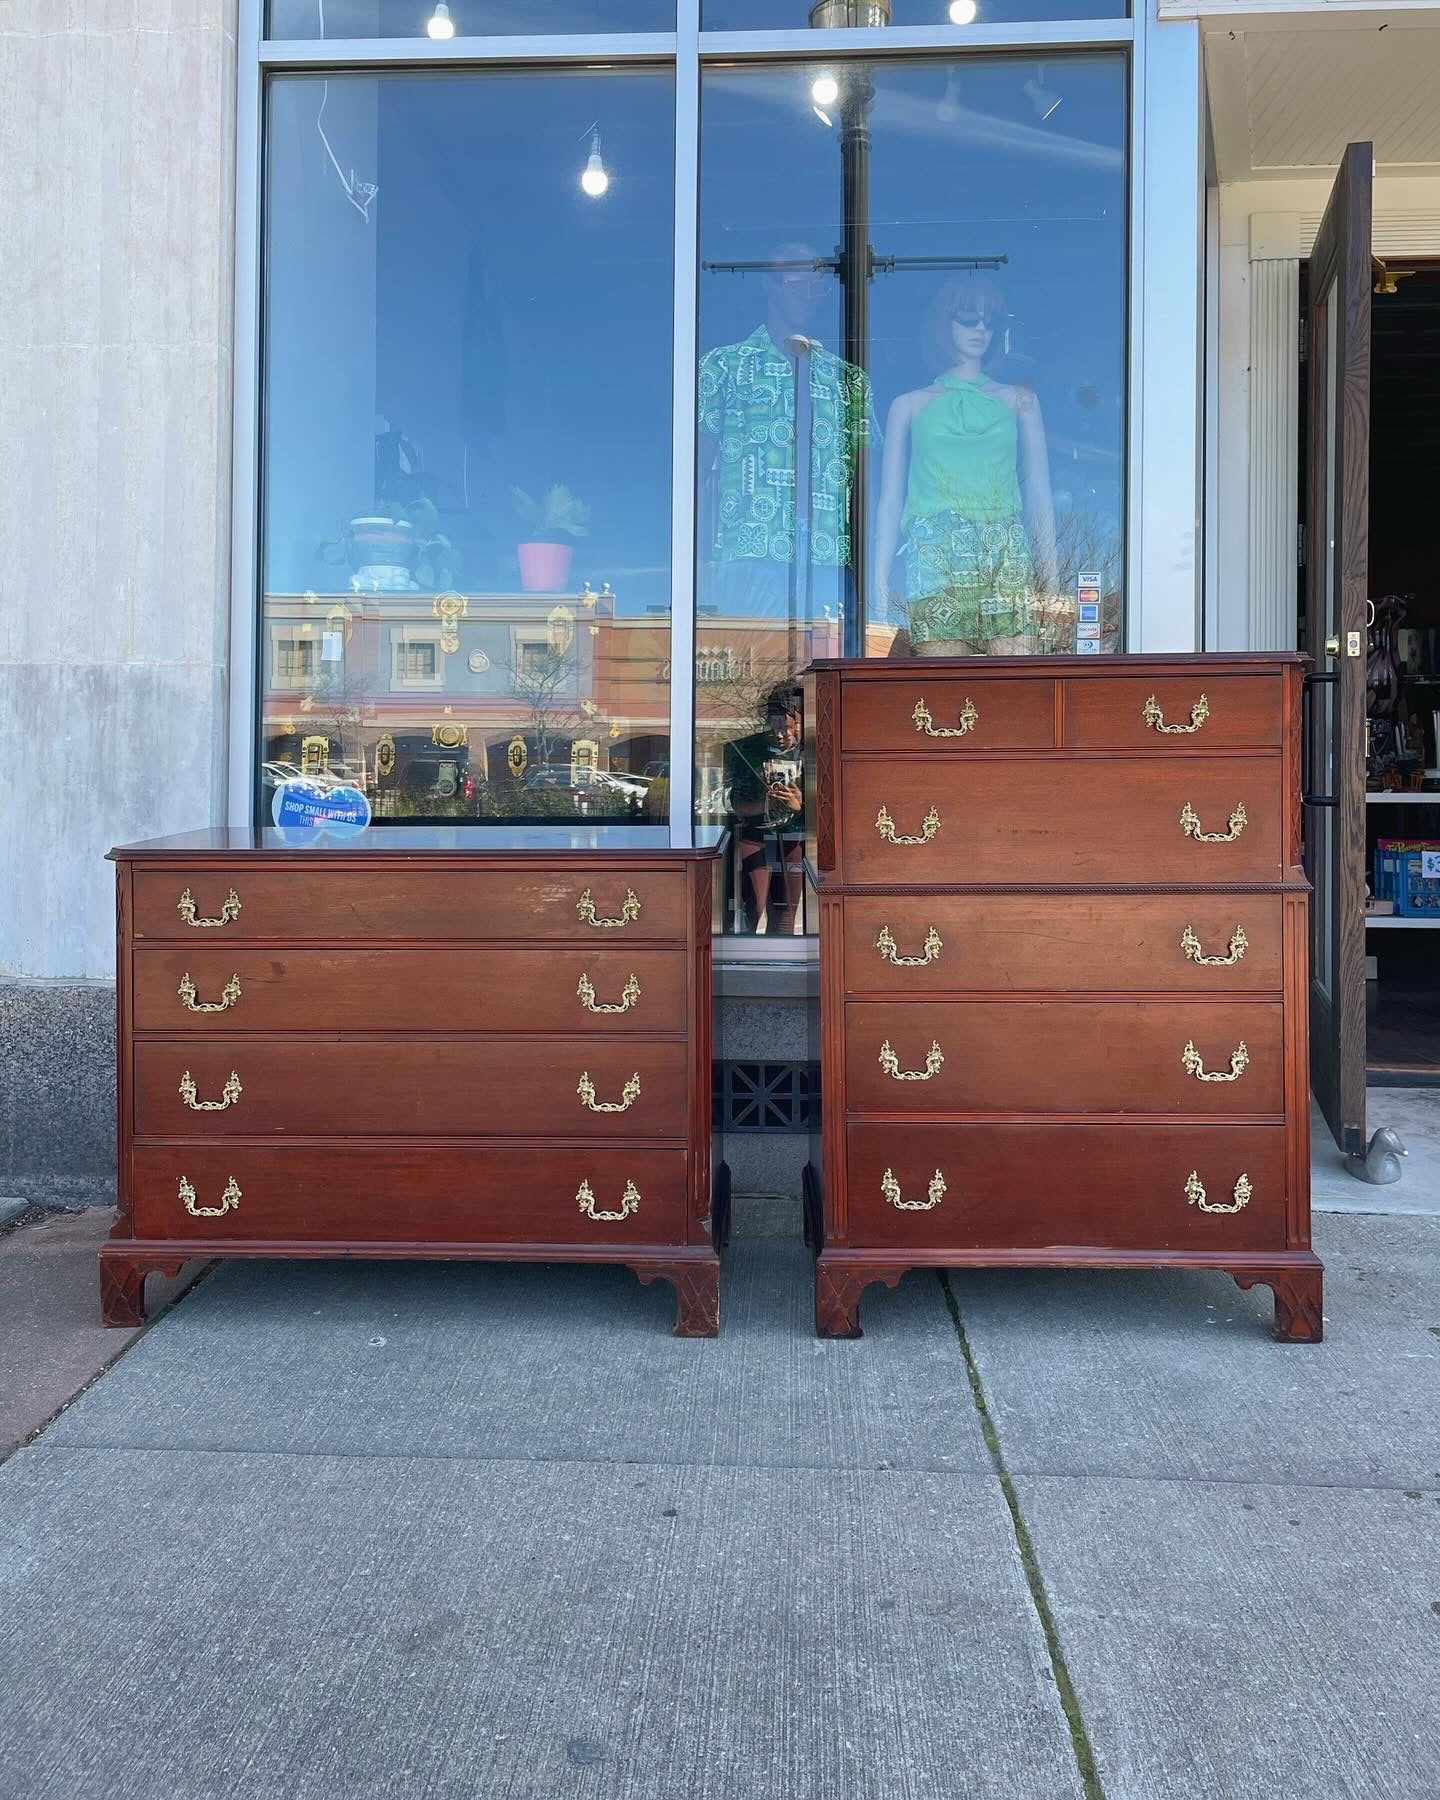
{"points": [[599, 784], [337, 774]]}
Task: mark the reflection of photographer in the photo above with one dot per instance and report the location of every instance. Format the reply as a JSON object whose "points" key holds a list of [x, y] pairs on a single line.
{"points": [[766, 803]]}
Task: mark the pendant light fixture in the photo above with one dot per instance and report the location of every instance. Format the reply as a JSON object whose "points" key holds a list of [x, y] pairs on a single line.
{"points": [[440, 25], [962, 12], [595, 177]]}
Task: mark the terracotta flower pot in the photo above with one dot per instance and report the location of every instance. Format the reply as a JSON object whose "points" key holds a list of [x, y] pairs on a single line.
{"points": [[544, 568]]}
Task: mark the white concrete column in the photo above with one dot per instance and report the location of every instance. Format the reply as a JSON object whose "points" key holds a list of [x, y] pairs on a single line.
{"points": [[116, 246], [1274, 427], [1167, 341]]}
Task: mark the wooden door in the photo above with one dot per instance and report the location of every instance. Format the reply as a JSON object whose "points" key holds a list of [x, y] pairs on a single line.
{"points": [[1339, 468]]}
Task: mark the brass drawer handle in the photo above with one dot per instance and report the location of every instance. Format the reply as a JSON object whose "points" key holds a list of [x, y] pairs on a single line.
{"points": [[628, 996], [934, 1194], [1191, 945], [1190, 825], [1195, 1063], [231, 1197], [229, 994], [885, 944], [629, 1094], [890, 1063], [885, 825], [629, 1203], [1151, 713], [969, 719], [1195, 1194], [629, 911], [229, 912], [229, 1094]]}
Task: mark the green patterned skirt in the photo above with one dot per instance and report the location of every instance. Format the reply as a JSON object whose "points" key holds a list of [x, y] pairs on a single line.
{"points": [[967, 579]]}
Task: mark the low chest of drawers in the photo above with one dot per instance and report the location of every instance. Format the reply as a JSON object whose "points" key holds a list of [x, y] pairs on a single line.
{"points": [[400, 1051], [1063, 941]]}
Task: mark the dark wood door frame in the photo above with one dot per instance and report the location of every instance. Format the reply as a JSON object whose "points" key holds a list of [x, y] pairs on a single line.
{"points": [[1340, 279]]}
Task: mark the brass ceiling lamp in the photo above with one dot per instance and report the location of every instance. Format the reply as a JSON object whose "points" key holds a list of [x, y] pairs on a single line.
{"points": [[1386, 278]]}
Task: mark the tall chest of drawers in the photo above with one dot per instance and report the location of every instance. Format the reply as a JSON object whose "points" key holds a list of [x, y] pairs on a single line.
{"points": [[412, 1051], [1063, 942]]}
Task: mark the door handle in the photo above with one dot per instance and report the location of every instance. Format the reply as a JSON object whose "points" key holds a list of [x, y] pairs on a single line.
{"points": [[1316, 678]]}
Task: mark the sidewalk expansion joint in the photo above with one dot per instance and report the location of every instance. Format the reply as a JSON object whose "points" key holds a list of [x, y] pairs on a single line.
{"points": [[122, 1350], [1064, 1686]]}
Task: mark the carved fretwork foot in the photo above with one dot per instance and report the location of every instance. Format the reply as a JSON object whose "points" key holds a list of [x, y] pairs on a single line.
{"points": [[122, 1285], [838, 1287], [697, 1293], [1299, 1301]]}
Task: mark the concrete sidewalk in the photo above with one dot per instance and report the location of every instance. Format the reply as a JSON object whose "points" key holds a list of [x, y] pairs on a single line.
{"points": [[352, 1530]]}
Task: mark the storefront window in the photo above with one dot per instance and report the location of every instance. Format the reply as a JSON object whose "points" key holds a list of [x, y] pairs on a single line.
{"points": [[466, 520], [911, 395], [835, 15], [462, 18]]}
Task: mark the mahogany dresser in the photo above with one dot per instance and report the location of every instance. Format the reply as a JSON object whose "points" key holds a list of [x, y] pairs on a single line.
{"points": [[1063, 942], [402, 1047]]}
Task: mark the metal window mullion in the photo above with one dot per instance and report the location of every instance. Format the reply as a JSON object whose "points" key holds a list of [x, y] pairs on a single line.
{"points": [[424, 52], [241, 690], [684, 433], [906, 40]]}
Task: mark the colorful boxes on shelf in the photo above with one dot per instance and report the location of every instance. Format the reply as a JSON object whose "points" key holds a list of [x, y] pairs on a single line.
{"points": [[1407, 872]]}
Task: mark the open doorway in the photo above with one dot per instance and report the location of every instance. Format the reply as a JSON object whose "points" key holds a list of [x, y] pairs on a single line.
{"points": [[1402, 759]]}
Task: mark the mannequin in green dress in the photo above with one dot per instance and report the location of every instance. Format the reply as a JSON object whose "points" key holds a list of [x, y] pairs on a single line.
{"points": [[965, 493]]}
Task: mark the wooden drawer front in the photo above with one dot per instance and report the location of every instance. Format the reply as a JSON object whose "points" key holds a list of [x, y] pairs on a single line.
{"points": [[1039, 1056], [380, 1193], [1080, 820], [1057, 943], [446, 1087], [409, 990], [333, 904], [1114, 712], [948, 713], [1037, 1187]]}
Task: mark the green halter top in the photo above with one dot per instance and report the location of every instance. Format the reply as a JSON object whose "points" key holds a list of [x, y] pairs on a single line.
{"points": [[962, 455]]}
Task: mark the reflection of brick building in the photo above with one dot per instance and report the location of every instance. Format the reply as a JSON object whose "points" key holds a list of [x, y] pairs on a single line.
{"points": [[448, 695]]}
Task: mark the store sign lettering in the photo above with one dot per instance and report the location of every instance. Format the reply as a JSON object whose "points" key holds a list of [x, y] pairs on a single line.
{"points": [[307, 806], [715, 666]]}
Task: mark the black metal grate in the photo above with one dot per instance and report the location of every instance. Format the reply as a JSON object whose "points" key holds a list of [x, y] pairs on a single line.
{"points": [[766, 1096]]}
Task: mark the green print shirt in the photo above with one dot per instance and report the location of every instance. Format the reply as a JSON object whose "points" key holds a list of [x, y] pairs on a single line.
{"points": [[747, 401]]}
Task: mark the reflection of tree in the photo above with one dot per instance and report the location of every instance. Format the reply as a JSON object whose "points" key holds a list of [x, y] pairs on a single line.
{"points": [[1043, 594], [1088, 543], [735, 702], [545, 679]]}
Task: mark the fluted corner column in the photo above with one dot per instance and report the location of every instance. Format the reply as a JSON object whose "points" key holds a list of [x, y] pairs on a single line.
{"points": [[1274, 428]]}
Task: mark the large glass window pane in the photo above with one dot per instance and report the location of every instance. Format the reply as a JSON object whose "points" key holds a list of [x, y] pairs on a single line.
{"points": [[462, 18], [834, 15], [467, 424], [930, 304]]}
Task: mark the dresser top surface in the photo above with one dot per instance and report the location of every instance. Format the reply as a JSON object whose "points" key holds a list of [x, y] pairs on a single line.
{"points": [[422, 841], [1220, 662]]}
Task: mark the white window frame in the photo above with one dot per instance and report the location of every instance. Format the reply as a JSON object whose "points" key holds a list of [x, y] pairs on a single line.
{"points": [[1164, 415], [401, 636], [295, 631]]}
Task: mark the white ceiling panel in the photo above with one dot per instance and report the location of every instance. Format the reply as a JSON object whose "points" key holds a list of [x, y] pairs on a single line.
{"points": [[1286, 102]]}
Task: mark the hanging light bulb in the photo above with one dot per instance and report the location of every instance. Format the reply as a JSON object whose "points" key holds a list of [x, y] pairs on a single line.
{"points": [[947, 110], [1044, 99], [440, 25], [595, 177], [825, 89], [962, 12]]}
